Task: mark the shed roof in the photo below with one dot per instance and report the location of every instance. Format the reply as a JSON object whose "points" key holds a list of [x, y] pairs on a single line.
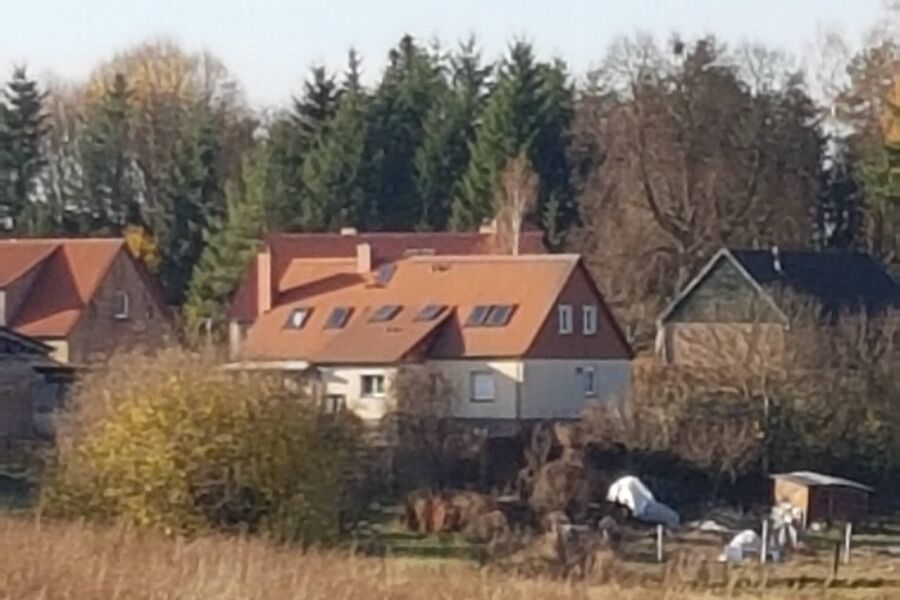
{"points": [[813, 479]]}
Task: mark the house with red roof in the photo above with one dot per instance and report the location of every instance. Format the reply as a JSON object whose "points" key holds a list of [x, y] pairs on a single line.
{"points": [[523, 336], [83, 298]]}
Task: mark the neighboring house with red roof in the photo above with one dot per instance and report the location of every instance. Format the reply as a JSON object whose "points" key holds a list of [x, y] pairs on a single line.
{"points": [[519, 337], [85, 298]]}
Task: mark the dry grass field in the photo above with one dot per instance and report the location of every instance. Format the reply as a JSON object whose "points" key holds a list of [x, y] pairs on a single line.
{"points": [[50, 561]]}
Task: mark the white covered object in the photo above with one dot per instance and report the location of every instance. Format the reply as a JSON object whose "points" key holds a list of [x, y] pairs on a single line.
{"points": [[631, 492], [745, 543]]}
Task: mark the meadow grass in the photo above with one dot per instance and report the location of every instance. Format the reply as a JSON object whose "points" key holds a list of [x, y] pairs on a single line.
{"points": [[75, 561]]}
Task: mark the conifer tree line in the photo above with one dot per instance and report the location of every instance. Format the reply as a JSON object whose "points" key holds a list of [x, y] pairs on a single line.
{"points": [[646, 165]]}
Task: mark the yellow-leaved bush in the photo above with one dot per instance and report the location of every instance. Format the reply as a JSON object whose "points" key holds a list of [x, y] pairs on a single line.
{"points": [[179, 444]]}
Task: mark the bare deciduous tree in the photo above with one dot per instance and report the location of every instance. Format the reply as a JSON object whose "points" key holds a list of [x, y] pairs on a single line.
{"points": [[517, 198]]}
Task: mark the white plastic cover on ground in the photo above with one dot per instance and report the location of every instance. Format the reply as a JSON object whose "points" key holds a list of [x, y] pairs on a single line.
{"points": [[744, 545], [631, 492]]}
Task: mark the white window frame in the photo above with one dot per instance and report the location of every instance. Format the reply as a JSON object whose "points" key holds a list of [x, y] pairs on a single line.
{"points": [[589, 315], [303, 313], [123, 305], [564, 317], [477, 391], [378, 391], [589, 381]]}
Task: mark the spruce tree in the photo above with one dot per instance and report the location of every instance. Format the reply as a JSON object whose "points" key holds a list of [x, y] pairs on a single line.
{"points": [[23, 131], [111, 196], [529, 110], [332, 173], [191, 199], [294, 134], [448, 131], [230, 244], [412, 84]]}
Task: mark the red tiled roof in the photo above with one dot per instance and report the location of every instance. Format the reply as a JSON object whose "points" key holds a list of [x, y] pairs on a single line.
{"points": [[72, 271], [386, 247], [17, 257], [531, 283]]}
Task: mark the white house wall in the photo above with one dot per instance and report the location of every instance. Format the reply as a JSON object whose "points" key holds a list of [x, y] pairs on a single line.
{"points": [[507, 378], [347, 382], [554, 389]]}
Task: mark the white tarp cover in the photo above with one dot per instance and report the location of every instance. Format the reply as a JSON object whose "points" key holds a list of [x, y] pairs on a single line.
{"points": [[631, 492], [743, 544]]}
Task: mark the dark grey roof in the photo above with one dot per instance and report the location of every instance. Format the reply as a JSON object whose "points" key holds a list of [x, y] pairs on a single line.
{"points": [[836, 279]]}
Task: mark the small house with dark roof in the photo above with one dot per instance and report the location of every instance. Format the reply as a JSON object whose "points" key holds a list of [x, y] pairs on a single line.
{"points": [[741, 298]]}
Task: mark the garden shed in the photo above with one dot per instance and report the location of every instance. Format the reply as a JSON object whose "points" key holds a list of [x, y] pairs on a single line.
{"points": [[822, 498]]}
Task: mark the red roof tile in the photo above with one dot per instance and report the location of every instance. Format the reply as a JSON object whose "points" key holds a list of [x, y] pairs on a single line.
{"points": [[17, 257]]}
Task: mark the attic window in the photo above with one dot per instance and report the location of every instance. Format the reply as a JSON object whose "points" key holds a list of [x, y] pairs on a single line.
{"points": [[385, 313], [430, 312], [384, 274], [338, 318], [123, 305], [297, 318], [499, 315], [478, 315]]}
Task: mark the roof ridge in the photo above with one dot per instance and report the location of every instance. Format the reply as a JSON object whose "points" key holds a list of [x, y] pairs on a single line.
{"points": [[328, 234], [563, 257], [60, 240]]}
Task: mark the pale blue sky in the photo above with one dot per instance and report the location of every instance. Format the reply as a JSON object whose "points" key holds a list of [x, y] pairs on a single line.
{"points": [[269, 44]]}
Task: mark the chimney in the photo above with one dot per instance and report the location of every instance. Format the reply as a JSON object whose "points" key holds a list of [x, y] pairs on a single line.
{"points": [[263, 282], [488, 227], [348, 231], [776, 260], [363, 258]]}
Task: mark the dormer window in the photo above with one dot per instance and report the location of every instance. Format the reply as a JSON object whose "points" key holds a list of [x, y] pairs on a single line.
{"points": [[478, 315], [297, 319], [499, 315], [123, 305], [430, 312], [384, 313], [338, 318]]}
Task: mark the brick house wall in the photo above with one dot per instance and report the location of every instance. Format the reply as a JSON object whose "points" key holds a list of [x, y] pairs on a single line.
{"points": [[100, 331]]}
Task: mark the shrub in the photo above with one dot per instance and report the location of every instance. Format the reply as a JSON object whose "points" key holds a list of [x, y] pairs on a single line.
{"points": [[178, 444]]}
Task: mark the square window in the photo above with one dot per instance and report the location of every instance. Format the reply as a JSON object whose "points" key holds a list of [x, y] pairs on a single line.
{"points": [[481, 385], [338, 318], [589, 381], [564, 316], [384, 313], [297, 319], [372, 386], [123, 305], [589, 319], [478, 315]]}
